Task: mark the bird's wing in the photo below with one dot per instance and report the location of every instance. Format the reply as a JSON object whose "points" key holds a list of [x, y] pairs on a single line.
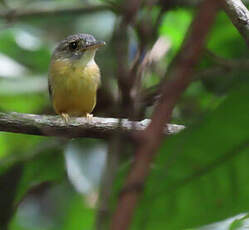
{"points": [[50, 89]]}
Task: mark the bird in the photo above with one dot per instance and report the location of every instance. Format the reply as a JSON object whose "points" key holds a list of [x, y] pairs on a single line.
{"points": [[74, 77]]}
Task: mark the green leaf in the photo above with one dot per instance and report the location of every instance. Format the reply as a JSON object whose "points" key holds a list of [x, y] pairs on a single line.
{"points": [[201, 175], [79, 215], [47, 166], [223, 38], [174, 26]]}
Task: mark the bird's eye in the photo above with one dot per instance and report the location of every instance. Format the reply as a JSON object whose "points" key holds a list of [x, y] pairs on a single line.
{"points": [[73, 45]]}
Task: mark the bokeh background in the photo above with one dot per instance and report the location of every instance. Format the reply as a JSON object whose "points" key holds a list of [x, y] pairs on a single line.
{"points": [[200, 178]]}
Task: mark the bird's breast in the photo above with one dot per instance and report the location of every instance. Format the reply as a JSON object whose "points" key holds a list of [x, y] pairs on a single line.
{"points": [[74, 87]]}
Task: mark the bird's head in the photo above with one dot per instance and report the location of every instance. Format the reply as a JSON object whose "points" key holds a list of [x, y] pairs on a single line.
{"points": [[77, 48]]}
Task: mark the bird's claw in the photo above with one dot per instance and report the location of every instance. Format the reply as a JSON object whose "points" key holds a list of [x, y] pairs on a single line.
{"points": [[65, 117], [89, 117]]}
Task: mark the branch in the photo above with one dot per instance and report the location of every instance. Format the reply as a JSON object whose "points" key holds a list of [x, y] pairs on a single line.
{"points": [[180, 76], [54, 12], [97, 127], [239, 15]]}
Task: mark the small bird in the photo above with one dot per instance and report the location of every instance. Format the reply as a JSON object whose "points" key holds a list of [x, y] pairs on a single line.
{"points": [[74, 77]]}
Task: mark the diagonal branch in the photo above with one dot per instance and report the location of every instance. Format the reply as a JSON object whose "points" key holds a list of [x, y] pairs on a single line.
{"points": [[180, 76], [239, 15], [97, 127]]}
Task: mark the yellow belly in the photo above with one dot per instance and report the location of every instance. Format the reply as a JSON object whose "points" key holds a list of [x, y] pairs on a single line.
{"points": [[74, 88]]}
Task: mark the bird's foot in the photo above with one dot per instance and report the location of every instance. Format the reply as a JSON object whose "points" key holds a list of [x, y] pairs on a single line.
{"points": [[89, 117], [65, 117]]}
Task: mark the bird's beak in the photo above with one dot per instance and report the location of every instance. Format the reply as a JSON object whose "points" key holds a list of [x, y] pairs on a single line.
{"points": [[94, 45]]}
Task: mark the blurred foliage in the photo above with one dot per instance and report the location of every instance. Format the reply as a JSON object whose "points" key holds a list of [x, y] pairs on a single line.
{"points": [[200, 176], [194, 170]]}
